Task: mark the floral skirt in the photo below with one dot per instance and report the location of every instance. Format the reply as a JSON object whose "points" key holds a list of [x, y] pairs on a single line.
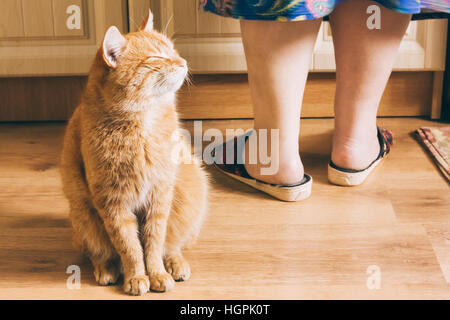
{"points": [[295, 10]]}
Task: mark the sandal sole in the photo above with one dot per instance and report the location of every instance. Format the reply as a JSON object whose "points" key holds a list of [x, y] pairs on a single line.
{"points": [[288, 194], [350, 179]]}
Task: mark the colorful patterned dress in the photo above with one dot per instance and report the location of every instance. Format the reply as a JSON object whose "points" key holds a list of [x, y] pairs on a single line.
{"points": [[295, 10]]}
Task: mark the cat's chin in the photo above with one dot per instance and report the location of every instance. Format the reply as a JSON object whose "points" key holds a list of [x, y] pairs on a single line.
{"points": [[173, 86], [168, 96], [168, 90]]}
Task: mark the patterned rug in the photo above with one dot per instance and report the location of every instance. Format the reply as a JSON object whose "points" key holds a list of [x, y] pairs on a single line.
{"points": [[437, 142]]}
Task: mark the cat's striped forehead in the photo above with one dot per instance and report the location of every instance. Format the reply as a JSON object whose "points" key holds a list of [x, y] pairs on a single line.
{"points": [[150, 43]]}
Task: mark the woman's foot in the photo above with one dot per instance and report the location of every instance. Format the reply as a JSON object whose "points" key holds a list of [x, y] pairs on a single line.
{"points": [[289, 172], [287, 167], [350, 175], [283, 182], [355, 151]]}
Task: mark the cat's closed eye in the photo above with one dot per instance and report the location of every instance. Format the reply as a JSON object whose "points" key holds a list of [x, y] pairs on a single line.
{"points": [[148, 62], [157, 57], [152, 58]]}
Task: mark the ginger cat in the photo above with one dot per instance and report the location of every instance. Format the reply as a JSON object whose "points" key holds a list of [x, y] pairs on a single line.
{"points": [[132, 208]]}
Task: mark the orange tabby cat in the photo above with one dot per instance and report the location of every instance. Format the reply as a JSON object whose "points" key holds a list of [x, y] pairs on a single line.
{"points": [[132, 208]]}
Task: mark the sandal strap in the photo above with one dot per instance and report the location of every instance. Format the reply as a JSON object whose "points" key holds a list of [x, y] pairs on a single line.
{"points": [[386, 139], [236, 167]]}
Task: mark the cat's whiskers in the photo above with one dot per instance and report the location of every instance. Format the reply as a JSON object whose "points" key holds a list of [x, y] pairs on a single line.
{"points": [[189, 80]]}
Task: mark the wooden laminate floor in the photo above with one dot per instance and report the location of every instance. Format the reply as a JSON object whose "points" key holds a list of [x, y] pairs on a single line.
{"points": [[251, 246]]}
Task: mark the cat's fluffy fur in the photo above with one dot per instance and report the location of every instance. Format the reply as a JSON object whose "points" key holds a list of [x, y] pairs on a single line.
{"points": [[132, 208]]}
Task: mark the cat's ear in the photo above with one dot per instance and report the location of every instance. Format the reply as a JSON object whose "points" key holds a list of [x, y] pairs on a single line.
{"points": [[112, 46], [147, 24]]}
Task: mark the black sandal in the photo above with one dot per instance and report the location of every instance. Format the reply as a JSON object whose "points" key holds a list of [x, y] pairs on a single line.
{"points": [[236, 170]]}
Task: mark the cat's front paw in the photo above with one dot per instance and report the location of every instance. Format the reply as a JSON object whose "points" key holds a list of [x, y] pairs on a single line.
{"points": [[178, 267], [136, 286], [161, 282]]}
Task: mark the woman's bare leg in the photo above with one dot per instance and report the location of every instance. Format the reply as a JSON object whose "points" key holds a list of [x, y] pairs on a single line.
{"points": [[278, 58], [364, 60]]}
